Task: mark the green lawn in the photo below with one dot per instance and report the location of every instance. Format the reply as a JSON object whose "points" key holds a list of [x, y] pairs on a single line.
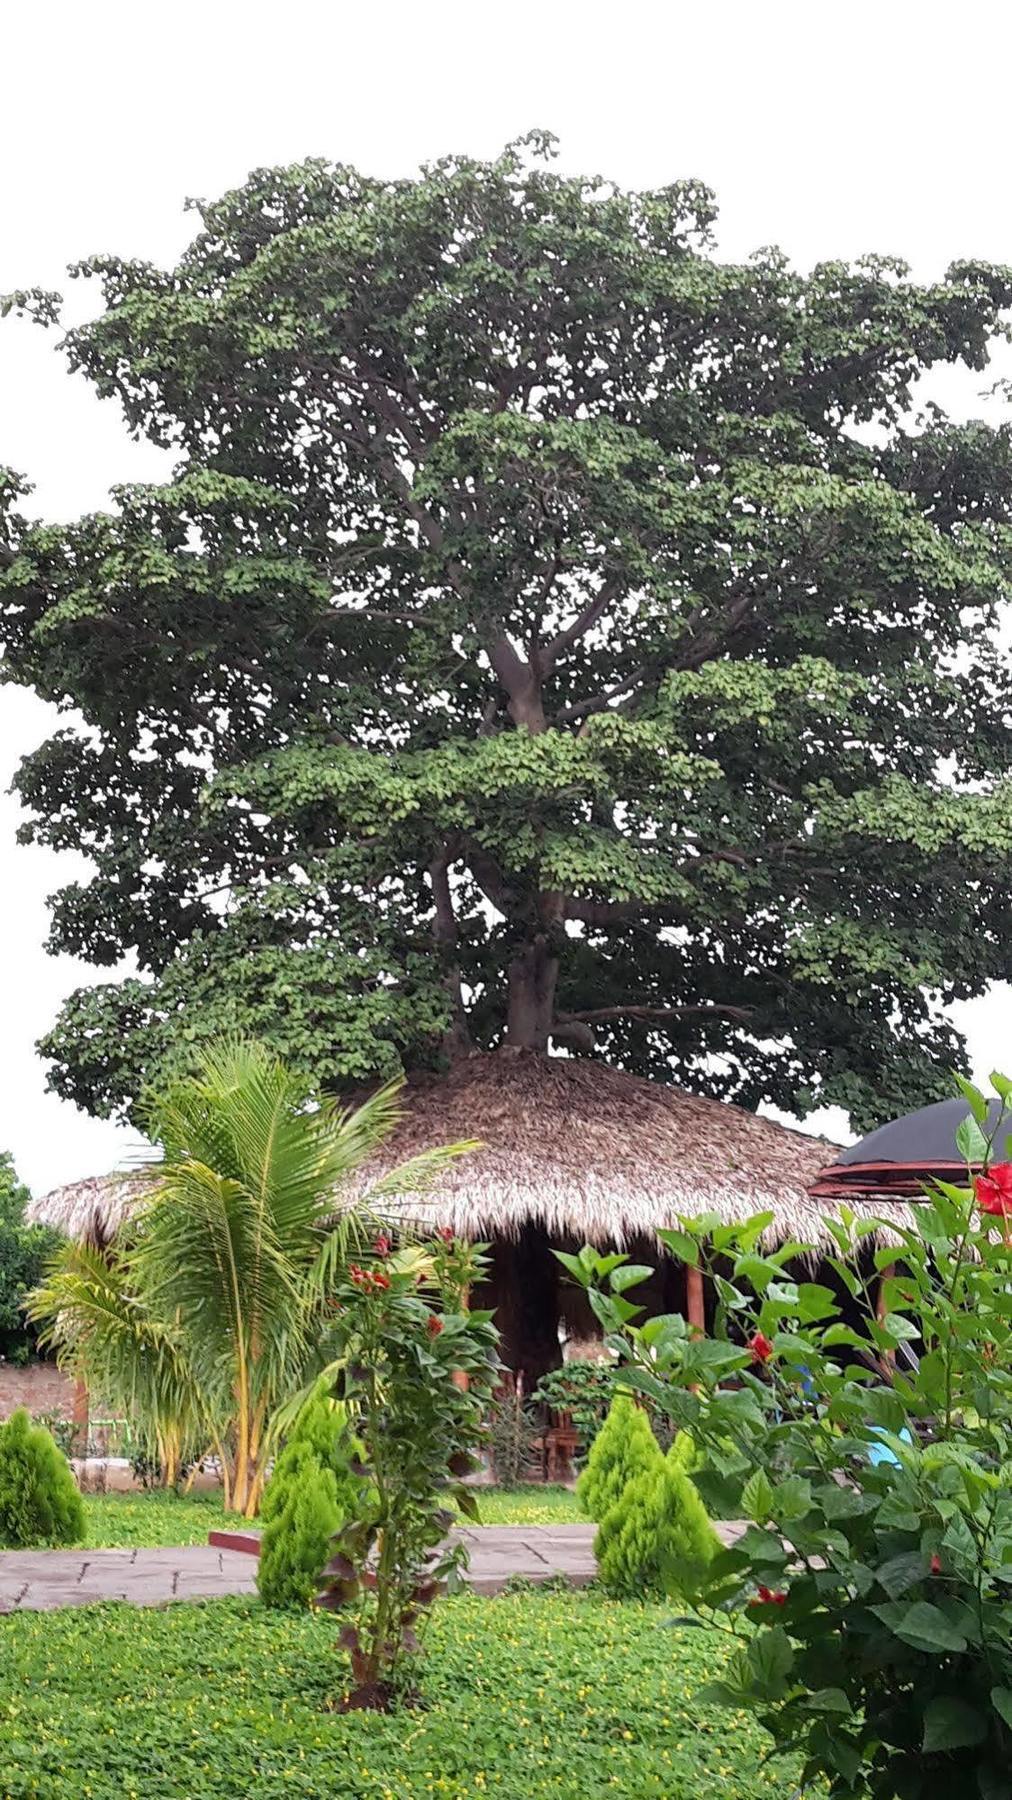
{"points": [[118, 1520], [546, 1697]]}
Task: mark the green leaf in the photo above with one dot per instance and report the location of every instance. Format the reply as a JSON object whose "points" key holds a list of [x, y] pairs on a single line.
{"points": [[926, 1627], [827, 1700], [757, 1497], [951, 1724], [718, 1693], [1001, 1697], [771, 1658], [573, 1266], [973, 1097], [681, 1245], [902, 1572], [630, 1276], [971, 1142], [792, 1499]]}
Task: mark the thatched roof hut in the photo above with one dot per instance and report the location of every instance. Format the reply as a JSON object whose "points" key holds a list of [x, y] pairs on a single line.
{"points": [[581, 1149], [570, 1151]]}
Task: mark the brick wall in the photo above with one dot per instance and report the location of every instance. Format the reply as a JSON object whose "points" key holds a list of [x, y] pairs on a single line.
{"points": [[40, 1387]]}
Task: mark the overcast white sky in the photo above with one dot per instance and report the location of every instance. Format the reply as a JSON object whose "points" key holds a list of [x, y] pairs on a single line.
{"points": [[830, 129]]}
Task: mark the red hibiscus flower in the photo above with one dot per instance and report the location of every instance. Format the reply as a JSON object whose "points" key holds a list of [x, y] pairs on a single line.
{"points": [[446, 1234], [433, 1325], [994, 1190], [383, 1244], [761, 1347], [379, 1280], [769, 1597]]}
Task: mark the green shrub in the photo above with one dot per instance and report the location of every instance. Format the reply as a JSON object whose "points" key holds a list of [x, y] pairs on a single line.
{"points": [[688, 1542], [656, 1538], [624, 1447], [39, 1501], [321, 1427], [296, 1540], [307, 1499], [24, 1250], [628, 1536]]}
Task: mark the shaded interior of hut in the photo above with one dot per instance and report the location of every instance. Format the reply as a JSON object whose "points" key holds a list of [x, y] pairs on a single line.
{"points": [[544, 1317]]}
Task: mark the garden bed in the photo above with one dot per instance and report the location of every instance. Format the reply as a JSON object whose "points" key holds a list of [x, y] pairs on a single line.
{"points": [[548, 1697]]}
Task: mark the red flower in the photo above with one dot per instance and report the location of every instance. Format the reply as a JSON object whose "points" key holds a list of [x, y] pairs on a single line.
{"points": [[433, 1325], [379, 1280], [446, 1234], [769, 1597], [761, 1347], [994, 1190], [936, 1564], [383, 1244]]}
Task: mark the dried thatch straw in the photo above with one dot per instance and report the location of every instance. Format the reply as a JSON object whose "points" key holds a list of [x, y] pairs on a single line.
{"points": [[94, 1208], [585, 1150]]}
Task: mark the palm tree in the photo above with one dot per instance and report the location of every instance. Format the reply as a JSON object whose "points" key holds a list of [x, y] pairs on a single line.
{"points": [[216, 1310]]}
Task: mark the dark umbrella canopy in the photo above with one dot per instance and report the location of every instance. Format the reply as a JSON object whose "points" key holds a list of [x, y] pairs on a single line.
{"points": [[895, 1161], [926, 1136]]}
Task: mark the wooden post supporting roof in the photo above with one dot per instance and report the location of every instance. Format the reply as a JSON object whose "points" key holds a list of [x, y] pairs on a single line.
{"points": [[695, 1305]]}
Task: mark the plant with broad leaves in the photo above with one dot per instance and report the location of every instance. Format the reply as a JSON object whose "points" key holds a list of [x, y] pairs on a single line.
{"points": [[583, 1389], [416, 1371], [861, 1426]]}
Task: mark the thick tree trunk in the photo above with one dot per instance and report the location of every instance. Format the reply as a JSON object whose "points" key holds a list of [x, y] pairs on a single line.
{"points": [[533, 974]]}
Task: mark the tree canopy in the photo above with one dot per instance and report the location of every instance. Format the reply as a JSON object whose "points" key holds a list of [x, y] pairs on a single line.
{"points": [[551, 634], [24, 1250]]}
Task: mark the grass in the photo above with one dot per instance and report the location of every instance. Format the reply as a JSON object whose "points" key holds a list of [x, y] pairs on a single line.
{"points": [[121, 1521], [547, 1697]]}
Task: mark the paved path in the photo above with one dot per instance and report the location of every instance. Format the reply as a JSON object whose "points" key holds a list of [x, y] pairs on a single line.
{"points": [[41, 1580]]}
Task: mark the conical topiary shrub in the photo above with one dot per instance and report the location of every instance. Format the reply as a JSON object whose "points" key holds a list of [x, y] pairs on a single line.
{"points": [[688, 1542], [308, 1497], [656, 1538], [296, 1539], [624, 1447], [40, 1506]]}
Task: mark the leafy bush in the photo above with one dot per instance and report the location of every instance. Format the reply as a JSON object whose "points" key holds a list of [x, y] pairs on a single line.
{"points": [[879, 1556], [582, 1388], [624, 1447], [39, 1501], [24, 1250], [307, 1498], [296, 1541], [416, 1369], [657, 1537]]}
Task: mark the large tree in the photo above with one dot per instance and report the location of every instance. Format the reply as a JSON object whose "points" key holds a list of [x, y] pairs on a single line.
{"points": [[550, 633]]}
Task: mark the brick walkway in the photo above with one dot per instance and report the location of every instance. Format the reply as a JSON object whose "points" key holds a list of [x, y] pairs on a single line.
{"points": [[41, 1580]]}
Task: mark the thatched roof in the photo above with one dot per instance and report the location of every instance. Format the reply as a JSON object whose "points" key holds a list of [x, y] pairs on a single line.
{"points": [[587, 1151], [93, 1207]]}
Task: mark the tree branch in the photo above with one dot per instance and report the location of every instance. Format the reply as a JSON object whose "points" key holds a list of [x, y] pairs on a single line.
{"points": [[489, 876], [597, 1015], [445, 931], [548, 654]]}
